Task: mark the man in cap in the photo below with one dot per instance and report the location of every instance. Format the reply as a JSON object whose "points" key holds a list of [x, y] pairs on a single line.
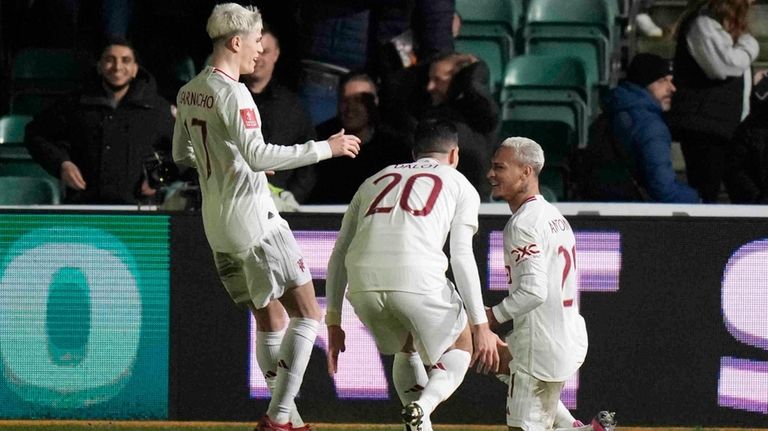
{"points": [[635, 109]]}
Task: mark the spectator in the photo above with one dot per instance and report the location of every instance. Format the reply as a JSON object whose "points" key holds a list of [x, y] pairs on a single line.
{"points": [[635, 110], [357, 34], [746, 176], [381, 145], [459, 92], [713, 79], [285, 122], [97, 139]]}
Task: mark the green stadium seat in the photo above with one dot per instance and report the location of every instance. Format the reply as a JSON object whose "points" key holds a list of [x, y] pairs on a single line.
{"points": [[582, 28], [553, 184], [185, 69], [46, 70], [31, 103], [507, 13], [488, 30], [544, 98], [22, 190], [16, 161], [548, 193], [12, 128], [546, 90]]}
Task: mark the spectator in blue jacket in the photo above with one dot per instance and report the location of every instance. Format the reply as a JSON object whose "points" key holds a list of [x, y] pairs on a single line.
{"points": [[635, 108]]}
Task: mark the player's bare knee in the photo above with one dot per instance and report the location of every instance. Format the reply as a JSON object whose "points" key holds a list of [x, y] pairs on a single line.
{"points": [[271, 318]]}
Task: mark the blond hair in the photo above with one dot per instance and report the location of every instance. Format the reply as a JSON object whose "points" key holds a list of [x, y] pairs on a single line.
{"points": [[231, 19], [527, 152]]}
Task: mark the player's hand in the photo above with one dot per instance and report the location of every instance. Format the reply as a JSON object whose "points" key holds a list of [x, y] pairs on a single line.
{"points": [[485, 353], [344, 145], [336, 344], [71, 176]]}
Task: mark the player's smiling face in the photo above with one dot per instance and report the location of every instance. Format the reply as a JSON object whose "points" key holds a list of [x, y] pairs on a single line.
{"points": [[507, 175], [251, 49], [118, 66]]}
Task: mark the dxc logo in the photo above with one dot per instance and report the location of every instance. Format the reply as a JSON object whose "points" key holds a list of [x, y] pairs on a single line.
{"points": [[527, 250]]}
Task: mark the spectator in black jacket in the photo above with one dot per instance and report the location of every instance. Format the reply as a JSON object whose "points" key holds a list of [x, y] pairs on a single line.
{"points": [[381, 145], [96, 140], [459, 92], [746, 170], [286, 122]]}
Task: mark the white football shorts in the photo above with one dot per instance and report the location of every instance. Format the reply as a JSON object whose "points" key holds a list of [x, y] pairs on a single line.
{"points": [[532, 403], [436, 319], [263, 272]]}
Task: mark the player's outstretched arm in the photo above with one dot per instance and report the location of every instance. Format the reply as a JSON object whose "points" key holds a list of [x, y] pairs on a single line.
{"points": [[344, 145], [336, 285], [484, 354], [336, 344]]}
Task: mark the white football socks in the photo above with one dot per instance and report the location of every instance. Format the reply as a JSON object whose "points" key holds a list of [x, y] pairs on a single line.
{"points": [[295, 350], [563, 417], [267, 350], [444, 378], [409, 376]]}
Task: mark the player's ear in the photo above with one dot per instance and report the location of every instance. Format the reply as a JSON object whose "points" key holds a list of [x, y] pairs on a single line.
{"points": [[453, 156], [234, 43]]}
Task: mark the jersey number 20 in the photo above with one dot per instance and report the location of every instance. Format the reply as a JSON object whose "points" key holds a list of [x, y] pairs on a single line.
{"points": [[437, 185]]}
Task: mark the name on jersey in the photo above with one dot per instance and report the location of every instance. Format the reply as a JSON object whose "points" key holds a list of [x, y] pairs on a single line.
{"points": [[189, 98], [559, 225], [416, 166]]}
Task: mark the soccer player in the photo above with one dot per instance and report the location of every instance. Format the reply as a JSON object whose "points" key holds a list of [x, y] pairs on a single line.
{"points": [[218, 131], [390, 250], [549, 340]]}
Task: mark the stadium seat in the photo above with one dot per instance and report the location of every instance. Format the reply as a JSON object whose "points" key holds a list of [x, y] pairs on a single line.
{"points": [[319, 89], [31, 103], [488, 30], [12, 128], [546, 96], [582, 28], [555, 181], [19, 190], [45, 70], [185, 69]]}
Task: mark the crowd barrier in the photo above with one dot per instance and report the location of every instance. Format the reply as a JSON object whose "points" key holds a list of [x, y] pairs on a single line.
{"points": [[119, 314]]}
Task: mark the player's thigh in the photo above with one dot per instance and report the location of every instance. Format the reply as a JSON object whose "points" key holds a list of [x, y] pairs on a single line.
{"points": [[532, 403], [435, 319], [300, 301], [387, 330], [229, 267]]}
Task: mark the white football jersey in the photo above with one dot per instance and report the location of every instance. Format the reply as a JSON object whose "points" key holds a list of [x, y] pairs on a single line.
{"points": [[404, 214], [218, 131], [549, 339]]}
